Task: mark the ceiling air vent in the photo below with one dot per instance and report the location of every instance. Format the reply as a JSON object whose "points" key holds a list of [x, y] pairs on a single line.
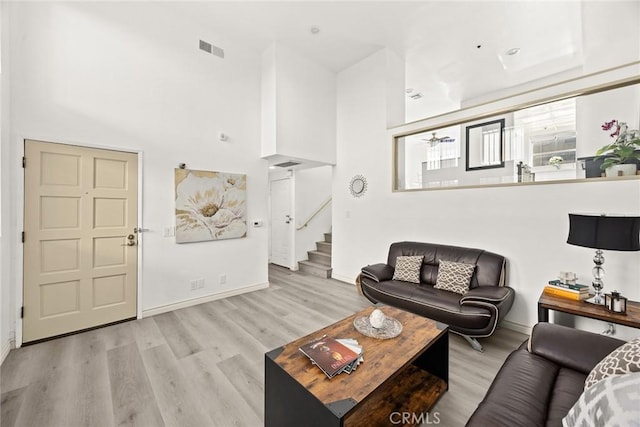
{"points": [[287, 164], [209, 48]]}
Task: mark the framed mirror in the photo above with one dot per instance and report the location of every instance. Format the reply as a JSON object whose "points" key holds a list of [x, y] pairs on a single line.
{"points": [[484, 142], [358, 186]]}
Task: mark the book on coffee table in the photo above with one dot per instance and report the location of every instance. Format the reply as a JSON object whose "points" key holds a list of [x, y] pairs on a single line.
{"points": [[566, 293], [570, 286], [332, 356]]}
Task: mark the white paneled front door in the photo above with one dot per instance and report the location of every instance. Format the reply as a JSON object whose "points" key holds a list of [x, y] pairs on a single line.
{"points": [[80, 248]]}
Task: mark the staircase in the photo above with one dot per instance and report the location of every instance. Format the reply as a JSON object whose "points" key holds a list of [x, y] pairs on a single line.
{"points": [[319, 262]]}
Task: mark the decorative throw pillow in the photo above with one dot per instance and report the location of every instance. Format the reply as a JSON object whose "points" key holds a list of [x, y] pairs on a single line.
{"points": [[454, 276], [622, 360], [408, 268], [614, 401]]}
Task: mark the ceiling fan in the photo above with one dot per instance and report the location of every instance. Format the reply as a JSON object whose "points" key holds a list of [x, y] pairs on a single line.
{"points": [[434, 140]]}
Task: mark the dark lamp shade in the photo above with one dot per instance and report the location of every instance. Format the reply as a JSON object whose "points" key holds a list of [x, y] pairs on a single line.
{"points": [[615, 233]]}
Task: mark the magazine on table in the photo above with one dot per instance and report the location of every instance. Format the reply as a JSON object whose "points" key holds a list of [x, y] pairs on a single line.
{"points": [[333, 356]]}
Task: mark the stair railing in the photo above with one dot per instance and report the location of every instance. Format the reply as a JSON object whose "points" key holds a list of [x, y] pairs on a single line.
{"points": [[316, 212]]}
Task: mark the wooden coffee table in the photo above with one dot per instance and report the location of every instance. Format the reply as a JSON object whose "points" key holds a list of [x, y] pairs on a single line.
{"points": [[406, 374]]}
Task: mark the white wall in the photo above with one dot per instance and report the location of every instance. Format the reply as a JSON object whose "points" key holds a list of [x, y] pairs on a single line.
{"points": [[395, 86], [527, 224], [361, 225], [130, 75], [312, 188], [7, 320], [592, 111], [300, 96], [597, 22], [269, 101]]}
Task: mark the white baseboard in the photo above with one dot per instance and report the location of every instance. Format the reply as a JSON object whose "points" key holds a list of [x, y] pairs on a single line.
{"points": [[201, 300], [523, 329], [345, 279], [6, 348]]}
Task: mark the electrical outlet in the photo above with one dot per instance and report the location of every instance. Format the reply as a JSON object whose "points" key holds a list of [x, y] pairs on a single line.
{"points": [[223, 279], [196, 284]]}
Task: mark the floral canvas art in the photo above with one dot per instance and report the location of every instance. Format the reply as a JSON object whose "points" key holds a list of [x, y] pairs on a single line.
{"points": [[210, 205]]}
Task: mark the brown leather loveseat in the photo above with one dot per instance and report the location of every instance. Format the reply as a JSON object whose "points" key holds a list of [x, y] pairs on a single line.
{"points": [[473, 314], [539, 383]]}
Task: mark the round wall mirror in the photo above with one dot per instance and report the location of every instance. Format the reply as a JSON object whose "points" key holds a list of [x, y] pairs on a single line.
{"points": [[358, 186]]}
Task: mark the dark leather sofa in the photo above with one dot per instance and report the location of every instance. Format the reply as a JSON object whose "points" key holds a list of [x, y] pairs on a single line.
{"points": [[472, 315], [540, 381]]}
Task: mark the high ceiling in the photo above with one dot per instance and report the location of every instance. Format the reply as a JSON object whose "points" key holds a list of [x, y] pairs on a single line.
{"points": [[455, 50]]}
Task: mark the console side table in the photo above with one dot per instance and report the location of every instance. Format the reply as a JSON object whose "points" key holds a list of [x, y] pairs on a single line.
{"points": [[585, 309]]}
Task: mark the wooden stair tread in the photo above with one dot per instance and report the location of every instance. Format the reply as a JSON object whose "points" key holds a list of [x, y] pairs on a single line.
{"points": [[315, 264], [320, 253]]}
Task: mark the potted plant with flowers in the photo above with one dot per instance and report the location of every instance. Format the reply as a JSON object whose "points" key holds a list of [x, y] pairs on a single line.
{"points": [[621, 156]]}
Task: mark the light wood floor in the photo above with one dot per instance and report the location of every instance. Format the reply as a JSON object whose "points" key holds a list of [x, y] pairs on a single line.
{"points": [[203, 365]]}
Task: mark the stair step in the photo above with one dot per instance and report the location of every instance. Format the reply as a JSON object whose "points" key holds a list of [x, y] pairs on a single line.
{"points": [[315, 269], [327, 237], [319, 257], [324, 247]]}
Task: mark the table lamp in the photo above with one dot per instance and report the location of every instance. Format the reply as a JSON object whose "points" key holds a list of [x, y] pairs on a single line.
{"points": [[614, 233]]}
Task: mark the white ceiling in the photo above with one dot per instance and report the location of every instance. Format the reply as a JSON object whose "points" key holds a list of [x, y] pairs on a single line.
{"points": [[349, 31], [467, 57], [438, 39]]}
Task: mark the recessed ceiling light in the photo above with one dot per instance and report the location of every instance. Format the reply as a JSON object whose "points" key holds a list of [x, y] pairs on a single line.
{"points": [[513, 51], [315, 30]]}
